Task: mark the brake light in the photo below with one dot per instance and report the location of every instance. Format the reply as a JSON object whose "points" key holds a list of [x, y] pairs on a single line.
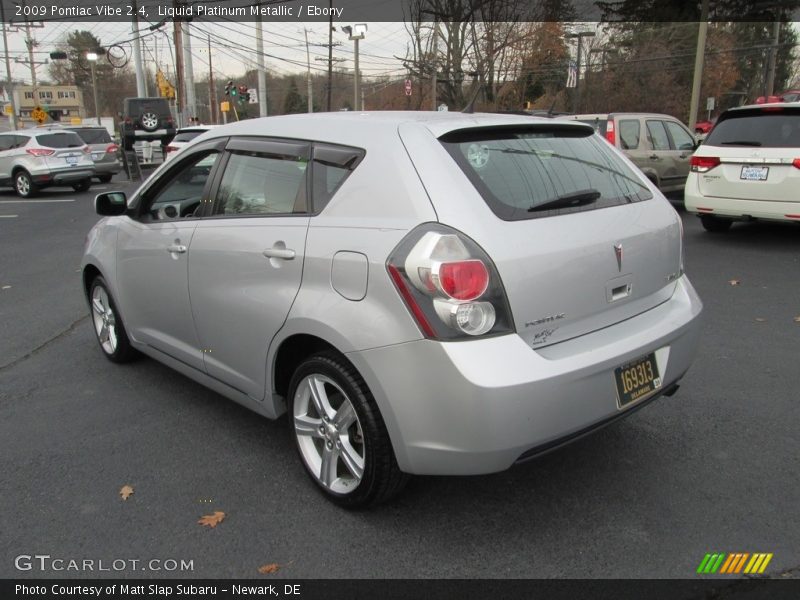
{"points": [[796, 163], [449, 284], [40, 151], [703, 164], [611, 133], [112, 148], [171, 149]]}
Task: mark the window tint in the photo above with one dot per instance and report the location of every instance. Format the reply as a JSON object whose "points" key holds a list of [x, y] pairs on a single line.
{"points": [[187, 136], [94, 136], [629, 130], [521, 173], [260, 184], [183, 192], [657, 135], [774, 129], [62, 139], [332, 165], [683, 140]]}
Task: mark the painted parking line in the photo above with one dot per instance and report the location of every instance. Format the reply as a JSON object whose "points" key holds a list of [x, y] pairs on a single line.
{"points": [[8, 216], [36, 201]]}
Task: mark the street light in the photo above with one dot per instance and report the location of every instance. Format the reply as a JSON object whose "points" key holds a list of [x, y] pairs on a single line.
{"points": [[92, 58], [356, 33]]}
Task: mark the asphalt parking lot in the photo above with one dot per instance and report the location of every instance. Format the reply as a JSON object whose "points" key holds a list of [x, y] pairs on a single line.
{"points": [[712, 469]]}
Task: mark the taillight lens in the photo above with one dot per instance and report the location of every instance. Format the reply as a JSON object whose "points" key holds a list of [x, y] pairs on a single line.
{"points": [[611, 134], [796, 163], [702, 164], [40, 151], [112, 148], [449, 284], [169, 149]]}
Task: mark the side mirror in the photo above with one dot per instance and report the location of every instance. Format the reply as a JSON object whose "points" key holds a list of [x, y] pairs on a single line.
{"points": [[110, 204]]}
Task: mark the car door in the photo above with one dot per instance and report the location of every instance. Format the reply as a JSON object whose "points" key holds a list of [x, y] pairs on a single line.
{"points": [[247, 258], [7, 143], [682, 144], [662, 158], [153, 249]]}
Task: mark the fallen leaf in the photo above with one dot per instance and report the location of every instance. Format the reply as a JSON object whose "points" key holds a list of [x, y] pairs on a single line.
{"points": [[270, 568], [212, 520], [760, 320], [734, 282], [126, 491]]}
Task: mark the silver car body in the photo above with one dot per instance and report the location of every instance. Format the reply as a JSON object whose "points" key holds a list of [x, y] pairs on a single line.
{"points": [[104, 150], [200, 295], [64, 166]]}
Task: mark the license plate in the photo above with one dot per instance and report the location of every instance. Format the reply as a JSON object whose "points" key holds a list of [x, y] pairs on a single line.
{"points": [[72, 160], [637, 379], [754, 173]]}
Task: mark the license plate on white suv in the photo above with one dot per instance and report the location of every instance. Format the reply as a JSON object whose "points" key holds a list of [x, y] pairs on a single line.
{"points": [[71, 160], [754, 173]]}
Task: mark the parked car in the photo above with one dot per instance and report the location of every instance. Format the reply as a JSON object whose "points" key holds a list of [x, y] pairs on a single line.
{"points": [[33, 159], [182, 138], [748, 167], [429, 293], [660, 145], [146, 119], [103, 150]]}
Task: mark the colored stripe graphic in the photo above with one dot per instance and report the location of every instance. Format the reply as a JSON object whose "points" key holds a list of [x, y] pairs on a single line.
{"points": [[734, 563], [758, 563], [711, 563]]}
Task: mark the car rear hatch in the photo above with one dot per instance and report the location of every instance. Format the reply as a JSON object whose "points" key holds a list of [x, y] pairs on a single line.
{"points": [[67, 149], [603, 250], [752, 154]]}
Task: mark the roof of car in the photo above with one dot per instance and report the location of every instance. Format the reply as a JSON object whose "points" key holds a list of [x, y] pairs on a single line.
{"points": [[766, 105], [616, 114]]}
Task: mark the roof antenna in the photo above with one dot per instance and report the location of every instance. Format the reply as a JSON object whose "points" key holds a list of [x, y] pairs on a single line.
{"points": [[470, 107]]}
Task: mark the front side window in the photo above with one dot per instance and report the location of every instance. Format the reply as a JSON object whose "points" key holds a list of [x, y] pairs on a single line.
{"points": [[527, 173], [683, 140], [182, 193], [262, 184], [658, 135]]}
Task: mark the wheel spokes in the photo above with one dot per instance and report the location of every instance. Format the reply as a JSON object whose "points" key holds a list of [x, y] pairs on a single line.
{"points": [[320, 397], [308, 426], [345, 416], [327, 473], [352, 459]]}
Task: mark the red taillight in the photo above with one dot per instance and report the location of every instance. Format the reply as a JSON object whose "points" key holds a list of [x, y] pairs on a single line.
{"points": [[796, 163], [40, 151], [412, 304], [86, 149], [112, 148], [610, 133], [463, 280], [169, 149], [702, 164]]}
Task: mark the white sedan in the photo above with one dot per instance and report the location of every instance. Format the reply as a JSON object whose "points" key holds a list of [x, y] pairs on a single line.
{"points": [[183, 137]]}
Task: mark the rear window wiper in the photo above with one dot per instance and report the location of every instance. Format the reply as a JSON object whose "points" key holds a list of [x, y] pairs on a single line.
{"points": [[578, 198], [741, 143]]}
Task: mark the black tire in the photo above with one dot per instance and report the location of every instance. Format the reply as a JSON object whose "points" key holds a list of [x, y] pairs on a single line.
{"points": [[122, 351], [82, 186], [24, 186], [381, 478], [715, 224], [105, 178]]}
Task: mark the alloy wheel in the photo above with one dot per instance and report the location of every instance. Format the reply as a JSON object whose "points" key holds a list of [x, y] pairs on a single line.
{"points": [[105, 322]]}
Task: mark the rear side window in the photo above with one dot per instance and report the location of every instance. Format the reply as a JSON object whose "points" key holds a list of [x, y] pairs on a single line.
{"points": [[331, 166], [186, 136], [62, 139], [94, 136], [771, 129], [527, 173], [629, 131]]}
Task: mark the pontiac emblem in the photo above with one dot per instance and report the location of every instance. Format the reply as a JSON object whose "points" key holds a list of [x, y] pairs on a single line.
{"points": [[618, 252]]}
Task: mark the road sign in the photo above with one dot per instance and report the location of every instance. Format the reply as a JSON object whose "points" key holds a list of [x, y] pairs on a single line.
{"points": [[408, 87], [8, 109], [710, 103], [38, 115], [253, 95], [75, 121], [225, 106]]}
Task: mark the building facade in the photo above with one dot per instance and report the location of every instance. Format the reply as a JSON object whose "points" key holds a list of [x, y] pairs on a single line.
{"points": [[61, 102]]}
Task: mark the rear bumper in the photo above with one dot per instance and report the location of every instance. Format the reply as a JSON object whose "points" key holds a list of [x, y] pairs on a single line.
{"points": [[464, 408], [739, 209], [107, 168], [63, 177]]}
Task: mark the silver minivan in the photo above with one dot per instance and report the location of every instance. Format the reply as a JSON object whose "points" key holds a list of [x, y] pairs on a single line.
{"points": [[422, 293]]}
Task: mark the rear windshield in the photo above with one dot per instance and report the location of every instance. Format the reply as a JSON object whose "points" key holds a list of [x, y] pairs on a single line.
{"points": [[527, 173], [599, 125], [94, 136], [156, 105], [62, 139], [776, 128], [186, 136]]}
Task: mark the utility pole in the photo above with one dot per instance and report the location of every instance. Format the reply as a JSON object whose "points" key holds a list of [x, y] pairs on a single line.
{"points": [[141, 89], [262, 73], [773, 55], [698, 65], [434, 105], [9, 85], [309, 92], [179, 89], [212, 93], [190, 106]]}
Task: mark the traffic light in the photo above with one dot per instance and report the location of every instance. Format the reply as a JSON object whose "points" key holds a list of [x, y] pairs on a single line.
{"points": [[228, 87], [243, 95], [234, 91]]}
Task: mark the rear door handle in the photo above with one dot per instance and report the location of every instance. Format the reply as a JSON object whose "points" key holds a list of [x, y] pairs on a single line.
{"points": [[654, 157], [176, 249], [278, 252]]}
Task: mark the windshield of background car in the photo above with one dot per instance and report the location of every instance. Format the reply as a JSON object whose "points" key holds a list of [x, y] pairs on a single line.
{"points": [[773, 127], [94, 136], [599, 125], [159, 107], [62, 139], [527, 173], [187, 136]]}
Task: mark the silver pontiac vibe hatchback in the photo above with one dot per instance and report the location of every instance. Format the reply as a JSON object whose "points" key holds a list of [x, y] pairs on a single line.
{"points": [[429, 293]]}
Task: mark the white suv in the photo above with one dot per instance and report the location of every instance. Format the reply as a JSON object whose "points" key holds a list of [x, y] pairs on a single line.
{"points": [[31, 159], [748, 167]]}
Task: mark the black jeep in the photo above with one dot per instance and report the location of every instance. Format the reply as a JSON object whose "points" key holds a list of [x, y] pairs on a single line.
{"points": [[146, 119]]}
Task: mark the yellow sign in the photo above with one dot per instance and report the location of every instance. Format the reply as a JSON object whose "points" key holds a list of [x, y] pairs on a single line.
{"points": [[38, 115], [9, 110], [225, 106], [165, 88], [75, 121]]}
